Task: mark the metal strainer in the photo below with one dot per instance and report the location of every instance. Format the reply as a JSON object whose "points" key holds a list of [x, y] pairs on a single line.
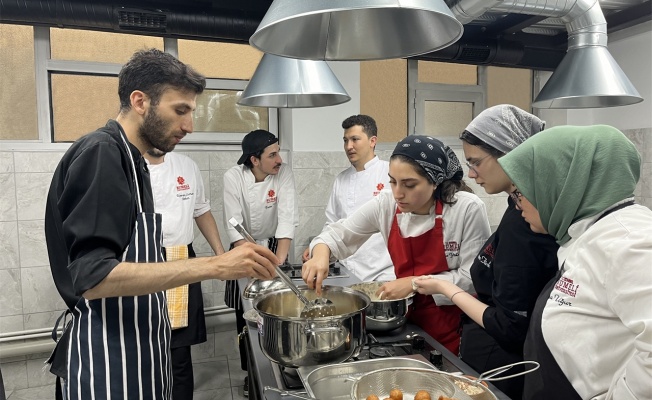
{"points": [[407, 380], [317, 308]]}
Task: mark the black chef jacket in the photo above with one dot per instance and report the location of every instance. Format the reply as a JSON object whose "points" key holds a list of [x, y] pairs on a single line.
{"points": [[509, 273], [91, 210]]}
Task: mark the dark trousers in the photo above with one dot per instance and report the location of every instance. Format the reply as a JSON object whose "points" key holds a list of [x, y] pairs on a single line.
{"points": [[182, 376]]}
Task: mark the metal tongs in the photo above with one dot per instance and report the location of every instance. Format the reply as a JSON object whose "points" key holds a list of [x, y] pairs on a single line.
{"points": [[489, 375], [317, 308]]}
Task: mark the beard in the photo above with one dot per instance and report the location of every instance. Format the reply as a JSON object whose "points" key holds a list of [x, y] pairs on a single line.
{"points": [[153, 132]]}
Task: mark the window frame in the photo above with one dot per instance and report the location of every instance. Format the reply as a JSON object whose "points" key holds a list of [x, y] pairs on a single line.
{"points": [[45, 66], [421, 92]]}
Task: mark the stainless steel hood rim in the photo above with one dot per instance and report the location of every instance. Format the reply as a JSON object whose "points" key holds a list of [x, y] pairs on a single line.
{"points": [[356, 30], [283, 82], [284, 100]]}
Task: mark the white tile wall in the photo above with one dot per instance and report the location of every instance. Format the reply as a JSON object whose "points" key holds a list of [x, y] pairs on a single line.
{"points": [[9, 245]]}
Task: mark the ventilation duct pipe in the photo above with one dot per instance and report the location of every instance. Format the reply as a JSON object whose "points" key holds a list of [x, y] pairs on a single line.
{"points": [[292, 83], [588, 76], [183, 22]]}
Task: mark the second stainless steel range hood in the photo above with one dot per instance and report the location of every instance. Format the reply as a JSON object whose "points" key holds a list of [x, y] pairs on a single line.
{"points": [[290, 83]]}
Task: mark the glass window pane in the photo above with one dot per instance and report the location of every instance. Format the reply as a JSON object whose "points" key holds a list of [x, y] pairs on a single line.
{"points": [[220, 60], [217, 111], [82, 45], [18, 116], [81, 104], [509, 86], [448, 73], [446, 119]]}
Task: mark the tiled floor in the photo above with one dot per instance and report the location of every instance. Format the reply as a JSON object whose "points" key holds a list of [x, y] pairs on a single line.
{"points": [[216, 368]]}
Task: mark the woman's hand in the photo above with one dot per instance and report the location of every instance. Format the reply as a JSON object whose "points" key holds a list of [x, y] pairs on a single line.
{"points": [[428, 284], [397, 289], [315, 270]]}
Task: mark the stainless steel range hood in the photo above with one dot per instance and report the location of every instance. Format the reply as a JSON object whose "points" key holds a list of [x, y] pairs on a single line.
{"points": [[588, 76], [348, 30], [291, 83]]}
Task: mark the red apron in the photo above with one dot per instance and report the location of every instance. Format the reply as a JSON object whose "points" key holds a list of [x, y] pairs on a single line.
{"points": [[424, 255]]}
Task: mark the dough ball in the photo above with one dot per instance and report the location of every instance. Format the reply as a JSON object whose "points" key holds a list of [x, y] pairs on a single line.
{"points": [[396, 394], [372, 397], [422, 395]]}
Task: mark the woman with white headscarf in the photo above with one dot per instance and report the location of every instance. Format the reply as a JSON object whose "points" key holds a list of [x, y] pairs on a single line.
{"points": [[431, 224], [514, 263], [591, 328]]}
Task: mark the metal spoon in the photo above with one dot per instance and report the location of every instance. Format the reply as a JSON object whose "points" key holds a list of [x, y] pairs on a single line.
{"points": [[312, 309]]}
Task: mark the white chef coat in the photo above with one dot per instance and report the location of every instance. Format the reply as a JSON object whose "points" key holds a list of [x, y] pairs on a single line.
{"points": [[178, 191], [351, 190], [597, 322], [466, 229], [266, 209]]}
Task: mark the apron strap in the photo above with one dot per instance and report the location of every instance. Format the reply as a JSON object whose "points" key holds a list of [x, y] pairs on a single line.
{"points": [[56, 324], [133, 168]]}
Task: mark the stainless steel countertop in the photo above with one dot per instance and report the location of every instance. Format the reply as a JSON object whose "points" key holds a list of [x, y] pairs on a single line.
{"points": [[263, 365]]}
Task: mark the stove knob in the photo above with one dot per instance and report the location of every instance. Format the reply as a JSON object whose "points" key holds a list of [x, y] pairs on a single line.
{"points": [[436, 359], [336, 269], [418, 342]]}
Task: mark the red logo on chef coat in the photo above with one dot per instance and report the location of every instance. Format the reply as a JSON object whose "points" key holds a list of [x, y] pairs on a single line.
{"points": [[489, 250], [271, 196], [182, 184], [379, 187], [452, 249], [566, 285]]}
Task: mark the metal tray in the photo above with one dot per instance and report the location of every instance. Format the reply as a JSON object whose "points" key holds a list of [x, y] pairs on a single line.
{"points": [[335, 381]]}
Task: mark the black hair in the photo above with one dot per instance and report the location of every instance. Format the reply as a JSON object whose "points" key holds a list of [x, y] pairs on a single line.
{"points": [[473, 140], [257, 154], [367, 123], [152, 72], [446, 190]]}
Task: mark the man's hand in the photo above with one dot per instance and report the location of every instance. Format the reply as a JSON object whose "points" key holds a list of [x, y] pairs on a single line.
{"points": [[247, 260]]}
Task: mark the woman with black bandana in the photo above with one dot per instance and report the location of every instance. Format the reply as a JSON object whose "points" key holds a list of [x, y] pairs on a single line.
{"points": [[431, 223], [514, 264]]}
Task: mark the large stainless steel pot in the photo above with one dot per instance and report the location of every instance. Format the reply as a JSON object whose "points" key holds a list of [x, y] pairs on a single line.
{"points": [[292, 341], [383, 315]]}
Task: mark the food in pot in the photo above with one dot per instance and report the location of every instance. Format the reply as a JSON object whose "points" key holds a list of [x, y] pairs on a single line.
{"points": [[422, 395], [396, 394], [469, 388], [446, 398], [372, 397]]}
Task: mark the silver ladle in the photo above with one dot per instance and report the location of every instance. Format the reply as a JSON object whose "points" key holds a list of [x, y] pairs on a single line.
{"points": [[317, 308]]}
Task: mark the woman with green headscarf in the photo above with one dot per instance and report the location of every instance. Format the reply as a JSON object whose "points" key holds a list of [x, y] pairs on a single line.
{"points": [[592, 324]]}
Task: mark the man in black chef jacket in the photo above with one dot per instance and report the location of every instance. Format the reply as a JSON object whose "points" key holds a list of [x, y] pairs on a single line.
{"points": [[104, 240]]}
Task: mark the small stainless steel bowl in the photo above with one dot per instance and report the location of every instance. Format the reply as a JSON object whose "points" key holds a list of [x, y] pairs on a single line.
{"points": [[258, 286], [383, 315]]}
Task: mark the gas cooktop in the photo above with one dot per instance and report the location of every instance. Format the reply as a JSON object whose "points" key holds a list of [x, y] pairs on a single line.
{"points": [[335, 270]]}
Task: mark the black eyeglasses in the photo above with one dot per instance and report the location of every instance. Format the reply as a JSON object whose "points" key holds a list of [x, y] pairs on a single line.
{"points": [[516, 198], [473, 166]]}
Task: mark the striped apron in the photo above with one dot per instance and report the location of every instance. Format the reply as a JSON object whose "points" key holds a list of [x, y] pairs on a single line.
{"points": [[119, 347]]}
